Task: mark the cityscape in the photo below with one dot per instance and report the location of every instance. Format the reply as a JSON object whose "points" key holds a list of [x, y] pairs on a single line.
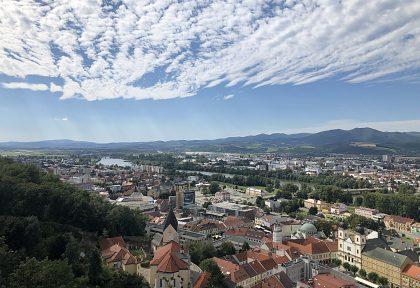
{"points": [[210, 144]]}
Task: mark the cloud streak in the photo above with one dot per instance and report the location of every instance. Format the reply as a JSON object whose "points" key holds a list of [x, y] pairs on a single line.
{"points": [[24, 85], [227, 97], [166, 49]]}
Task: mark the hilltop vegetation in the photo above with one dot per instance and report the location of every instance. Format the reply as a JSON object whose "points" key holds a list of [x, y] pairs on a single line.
{"points": [[355, 141], [49, 232]]}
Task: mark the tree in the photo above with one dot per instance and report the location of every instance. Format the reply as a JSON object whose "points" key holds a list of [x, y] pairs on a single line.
{"points": [[324, 226], [260, 202], [226, 248], [201, 250], [362, 273], [123, 279], [214, 187], [46, 274], [216, 278], [206, 204], [95, 267], [406, 189], [313, 211], [290, 188], [354, 269], [373, 277], [336, 262], [383, 281], [346, 266], [358, 201], [245, 247], [125, 221]]}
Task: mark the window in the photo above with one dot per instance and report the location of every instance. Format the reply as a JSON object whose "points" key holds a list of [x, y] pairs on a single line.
{"points": [[348, 248]]}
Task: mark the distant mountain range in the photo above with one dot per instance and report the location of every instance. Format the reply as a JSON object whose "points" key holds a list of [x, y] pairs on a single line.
{"points": [[355, 141]]}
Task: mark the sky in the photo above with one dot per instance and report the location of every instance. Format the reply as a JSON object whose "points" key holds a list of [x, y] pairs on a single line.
{"points": [[112, 71]]}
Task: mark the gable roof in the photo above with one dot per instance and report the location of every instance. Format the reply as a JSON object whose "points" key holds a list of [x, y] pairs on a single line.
{"points": [[167, 259], [412, 271], [108, 242], [117, 253], [386, 256]]}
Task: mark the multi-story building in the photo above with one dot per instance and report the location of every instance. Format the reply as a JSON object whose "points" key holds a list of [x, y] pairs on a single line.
{"points": [[386, 264], [320, 205], [232, 209], [398, 223], [254, 192], [222, 196], [365, 212], [350, 246], [117, 256], [184, 198], [410, 277]]}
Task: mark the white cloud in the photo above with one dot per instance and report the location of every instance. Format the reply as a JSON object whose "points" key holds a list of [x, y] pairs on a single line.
{"points": [[61, 119], [227, 97], [167, 48], [55, 88], [23, 85]]}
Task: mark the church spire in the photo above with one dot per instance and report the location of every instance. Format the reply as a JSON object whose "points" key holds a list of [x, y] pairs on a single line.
{"points": [[170, 220]]}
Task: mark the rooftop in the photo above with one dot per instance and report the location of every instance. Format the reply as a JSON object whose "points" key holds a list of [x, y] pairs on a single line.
{"points": [[386, 256]]}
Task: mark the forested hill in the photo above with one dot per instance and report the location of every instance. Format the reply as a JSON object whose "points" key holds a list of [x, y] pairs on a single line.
{"points": [[49, 232], [355, 141]]}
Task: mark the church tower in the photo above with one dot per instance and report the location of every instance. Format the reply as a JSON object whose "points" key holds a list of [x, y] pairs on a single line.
{"points": [[170, 228], [277, 234]]}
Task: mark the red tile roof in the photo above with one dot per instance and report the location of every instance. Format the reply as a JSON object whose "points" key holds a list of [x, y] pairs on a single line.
{"points": [[168, 260], [108, 242], [329, 281], [398, 219], [202, 280], [412, 271]]}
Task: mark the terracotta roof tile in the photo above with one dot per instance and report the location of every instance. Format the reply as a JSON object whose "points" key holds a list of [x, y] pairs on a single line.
{"points": [[412, 271]]}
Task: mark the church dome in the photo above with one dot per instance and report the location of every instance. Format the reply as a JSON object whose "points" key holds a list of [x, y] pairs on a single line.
{"points": [[308, 228]]}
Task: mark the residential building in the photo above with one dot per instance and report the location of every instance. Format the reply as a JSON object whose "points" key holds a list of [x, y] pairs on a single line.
{"points": [[233, 209], [385, 263], [319, 204], [116, 255], [365, 212], [327, 281], [254, 192], [222, 196], [410, 277], [398, 223]]}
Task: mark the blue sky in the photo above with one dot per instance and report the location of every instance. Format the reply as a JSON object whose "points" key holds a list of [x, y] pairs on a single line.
{"points": [[206, 69]]}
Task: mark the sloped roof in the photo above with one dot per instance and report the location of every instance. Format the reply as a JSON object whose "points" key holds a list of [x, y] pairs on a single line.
{"points": [[202, 280], [386, 256], [172, 263], [108, 242], [117, 253], [170, 220], [327, 280], [412, 271], [167, 259]]}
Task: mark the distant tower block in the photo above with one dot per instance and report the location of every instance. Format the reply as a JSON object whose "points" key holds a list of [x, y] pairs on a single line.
{"points": [[277, 234]]}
